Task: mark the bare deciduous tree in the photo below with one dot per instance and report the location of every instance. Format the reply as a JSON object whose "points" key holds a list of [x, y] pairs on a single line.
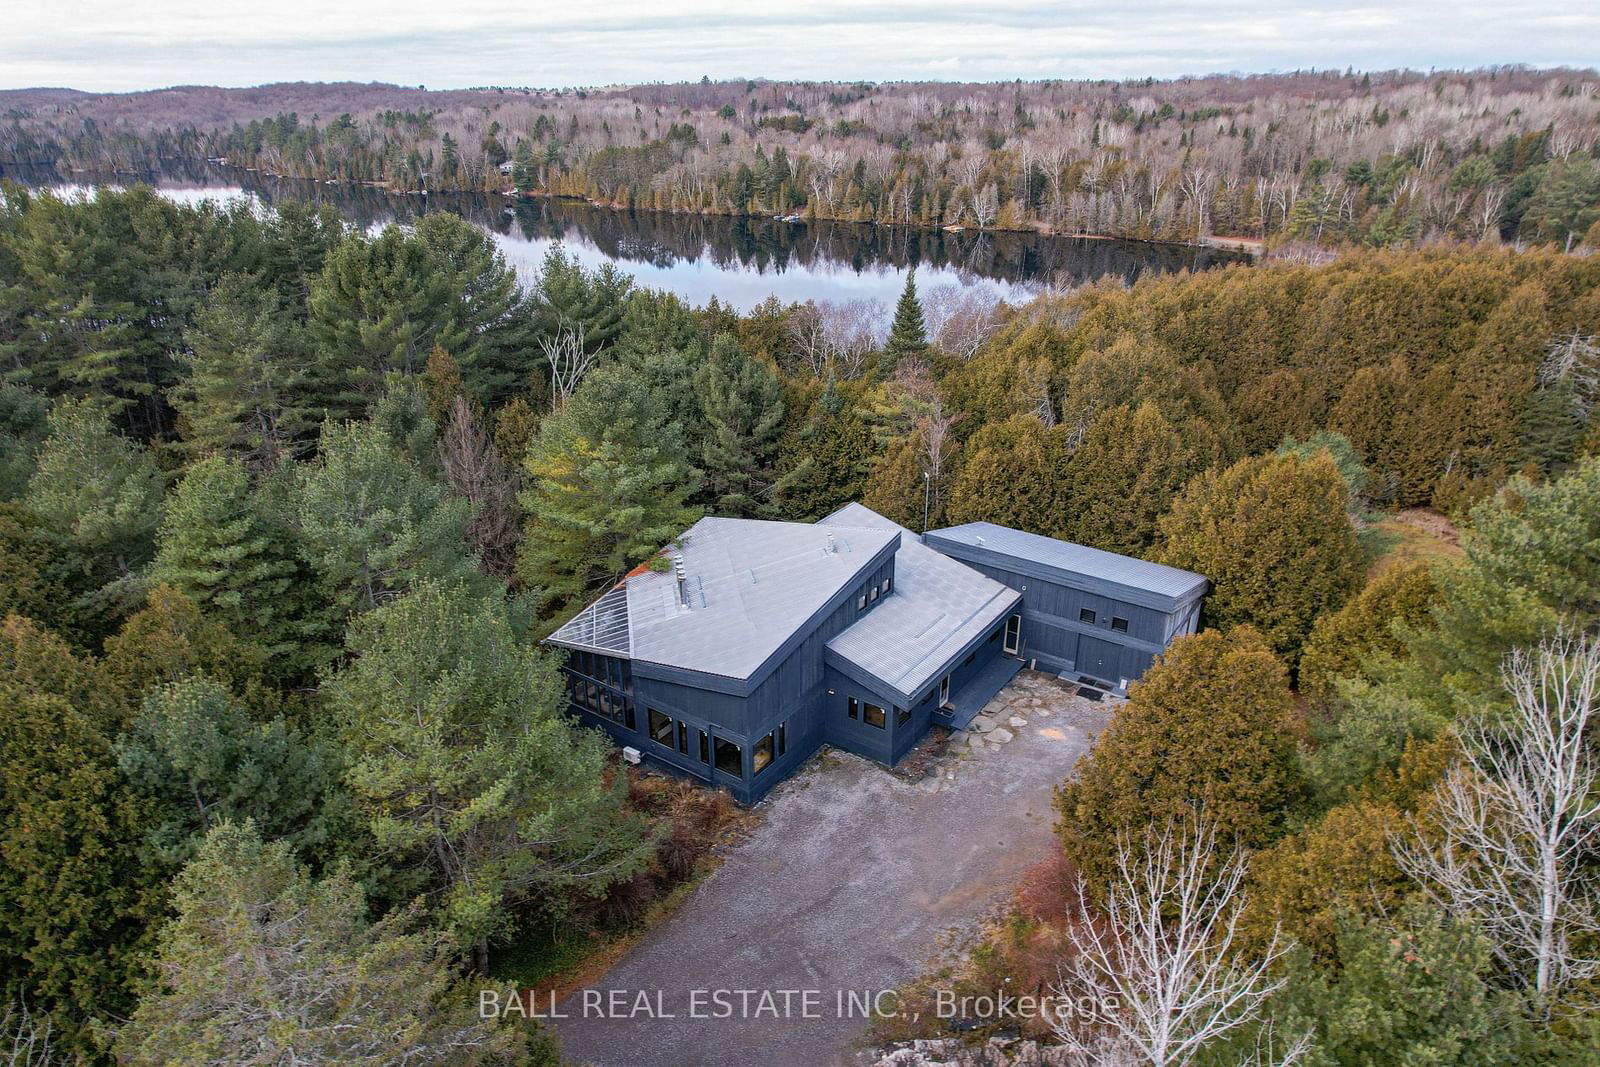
{"points": [[27, 1040], [960, 319], [1155, 978], [1575, 359], [477, 474], [1518, 815], [569, 361], [841, 335]]}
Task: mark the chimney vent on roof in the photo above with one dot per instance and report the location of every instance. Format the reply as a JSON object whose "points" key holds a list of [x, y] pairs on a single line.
{"points": [[682, 581], [831, 547], [980, 539]]}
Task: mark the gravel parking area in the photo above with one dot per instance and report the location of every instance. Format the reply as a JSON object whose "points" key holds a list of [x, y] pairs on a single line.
{"points": [[845, 888]]}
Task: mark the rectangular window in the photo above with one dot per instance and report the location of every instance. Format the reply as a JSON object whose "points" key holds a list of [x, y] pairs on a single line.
{"points": [[873, 596], [730, 760], [683, 737], [705, 748], [632, 721], [902, 716], [1086, 615], [1013, 634], [855, 708], [944, 690], [861, 601], [873, 715], [1119, 624], [660, 727], [783, 738], [885, 589], [761, 755]]}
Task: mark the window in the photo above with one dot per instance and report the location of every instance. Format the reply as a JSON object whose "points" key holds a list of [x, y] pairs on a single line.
{"points": [[885, 589], [873, 715], [855, 708], [872, 594], [730, 760], [1119, 624], [902, 716], [660, 727], [783, 739], [705, 747], [1013, 634], [1086, 615], [761, 755], [629, 719], [683, 737], [861, 601], [944, 690]]}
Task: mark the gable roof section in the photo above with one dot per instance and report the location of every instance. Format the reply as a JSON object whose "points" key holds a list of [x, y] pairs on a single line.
{"points": [[751, 585], [1078, 566], [936, 608]]}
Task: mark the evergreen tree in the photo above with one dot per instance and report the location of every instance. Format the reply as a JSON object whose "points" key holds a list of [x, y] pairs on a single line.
{"points": [[469, 776], [908, 336], [215, 548], [24, 417], [255, 938], [608, 483], [195, 753], [1273, 534], [568, 297], [823, 457], [168, 641], [243, 390], [1348, 643], [371, 524], [1208, 729], [743, 402], [76, 900]]}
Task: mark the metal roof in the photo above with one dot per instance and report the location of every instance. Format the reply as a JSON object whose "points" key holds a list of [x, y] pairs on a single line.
{"points": [[751, 585], [1075, 559], [936, 607]]}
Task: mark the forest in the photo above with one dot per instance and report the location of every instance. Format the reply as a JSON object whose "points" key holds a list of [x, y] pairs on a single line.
{"points": [[285, 506], [1306, 158]]}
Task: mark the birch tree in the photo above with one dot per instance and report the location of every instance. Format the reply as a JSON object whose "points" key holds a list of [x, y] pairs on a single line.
{"points": [[1518, 816], [1155, 978]]}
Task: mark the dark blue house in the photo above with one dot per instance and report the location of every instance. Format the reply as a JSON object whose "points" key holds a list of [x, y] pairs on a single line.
{"points": [[749, 644]]}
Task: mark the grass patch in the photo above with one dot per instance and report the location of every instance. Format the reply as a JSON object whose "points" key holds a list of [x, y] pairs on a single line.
{"points": [[1412, 535]]}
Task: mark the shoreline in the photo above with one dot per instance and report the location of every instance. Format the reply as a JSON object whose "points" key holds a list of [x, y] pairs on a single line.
{"points": [[1250, 247]]}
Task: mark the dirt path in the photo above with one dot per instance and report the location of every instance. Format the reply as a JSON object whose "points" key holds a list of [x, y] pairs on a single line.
{"points": [[846, 886]]}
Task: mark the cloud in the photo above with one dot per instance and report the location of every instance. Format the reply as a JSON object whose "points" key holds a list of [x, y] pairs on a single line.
{"points": [[108, 45]]}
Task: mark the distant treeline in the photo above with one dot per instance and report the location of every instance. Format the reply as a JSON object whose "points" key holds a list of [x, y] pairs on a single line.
{"points": [[1321, 157]]}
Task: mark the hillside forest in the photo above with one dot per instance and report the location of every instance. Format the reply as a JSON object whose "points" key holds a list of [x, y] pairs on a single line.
{"points": [[1304, 158], [285, 507]]}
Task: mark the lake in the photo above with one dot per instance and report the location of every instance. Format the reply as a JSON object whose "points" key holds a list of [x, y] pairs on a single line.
{"points": [[740, 261]]}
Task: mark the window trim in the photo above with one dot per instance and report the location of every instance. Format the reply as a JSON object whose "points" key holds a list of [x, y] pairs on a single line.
{"points": [[882, 716], [655, 713], [1088, 616], [1013, 640], [1115, 627], [755, 753], [718, 743], [944, 690]]}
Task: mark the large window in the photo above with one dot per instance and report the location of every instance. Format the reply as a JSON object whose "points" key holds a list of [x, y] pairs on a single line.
{"points": [[902, 716], [873, 715], [761, 755], [730, 760], [660, 727]]}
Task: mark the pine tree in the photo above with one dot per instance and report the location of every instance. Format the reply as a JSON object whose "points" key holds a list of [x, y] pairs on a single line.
{"points": [[908, 336], [216, 549], [465, 768], [608, 482], [256, 938], [371, 524], [243, 392], [196, 754], [823, 458], [743, 402]]}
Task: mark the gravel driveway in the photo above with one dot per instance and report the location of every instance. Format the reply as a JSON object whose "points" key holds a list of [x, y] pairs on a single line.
{"points": [[845, 886]]}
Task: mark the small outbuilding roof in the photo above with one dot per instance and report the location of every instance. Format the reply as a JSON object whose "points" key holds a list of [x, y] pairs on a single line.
{"points": [[1072, 564], [749, 586], [936, 607]]}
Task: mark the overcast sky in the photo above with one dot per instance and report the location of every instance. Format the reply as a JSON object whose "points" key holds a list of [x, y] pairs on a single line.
{"points": [[117, 45]]}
